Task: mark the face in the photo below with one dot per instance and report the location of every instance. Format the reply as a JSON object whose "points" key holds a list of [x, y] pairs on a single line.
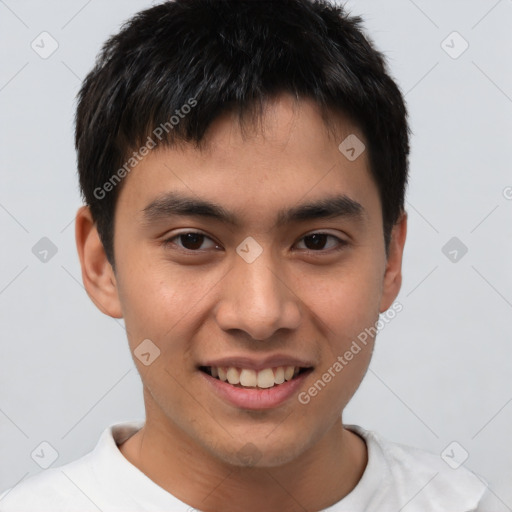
{"points": [[253, 283]]}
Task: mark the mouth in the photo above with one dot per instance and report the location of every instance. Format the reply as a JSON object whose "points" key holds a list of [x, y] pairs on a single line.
{"points": [[247, 378]]}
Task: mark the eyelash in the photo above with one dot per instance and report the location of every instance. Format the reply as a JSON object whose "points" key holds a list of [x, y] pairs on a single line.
{"points": [[170, 242]]}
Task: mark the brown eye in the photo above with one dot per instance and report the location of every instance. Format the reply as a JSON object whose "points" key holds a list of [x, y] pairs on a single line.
{"points": [[318, 241], [190, 241]]}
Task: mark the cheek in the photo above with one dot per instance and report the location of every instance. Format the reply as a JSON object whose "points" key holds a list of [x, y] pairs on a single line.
{"points": [[348, 300], [348, 306], [346, 355], [156, 308], [155, 305]]}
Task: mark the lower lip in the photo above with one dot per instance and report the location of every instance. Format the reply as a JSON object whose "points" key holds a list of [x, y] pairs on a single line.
{"points": [[256, 399]]}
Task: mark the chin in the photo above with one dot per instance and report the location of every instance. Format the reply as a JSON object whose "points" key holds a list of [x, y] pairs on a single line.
{"points": [[259, 452]]}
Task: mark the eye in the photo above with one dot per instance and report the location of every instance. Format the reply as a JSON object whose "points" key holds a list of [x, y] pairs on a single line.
{"points": [[317, 241], [190, 241], [194, 241]]}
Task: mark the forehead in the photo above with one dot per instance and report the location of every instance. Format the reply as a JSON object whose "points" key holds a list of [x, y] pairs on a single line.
{"points": [[281, 121], [287, 157]]}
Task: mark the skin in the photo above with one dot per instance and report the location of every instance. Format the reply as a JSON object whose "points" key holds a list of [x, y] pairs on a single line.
{"points": [[197, 306]]}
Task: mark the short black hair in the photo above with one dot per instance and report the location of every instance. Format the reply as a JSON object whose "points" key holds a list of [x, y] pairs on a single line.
{"points": [[175, 67]]}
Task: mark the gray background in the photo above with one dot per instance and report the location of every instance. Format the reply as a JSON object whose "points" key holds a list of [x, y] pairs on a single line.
{"points": [[441, 369]]}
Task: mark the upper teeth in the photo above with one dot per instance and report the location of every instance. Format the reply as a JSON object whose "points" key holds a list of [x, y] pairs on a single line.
{"points": [[265, 378]]}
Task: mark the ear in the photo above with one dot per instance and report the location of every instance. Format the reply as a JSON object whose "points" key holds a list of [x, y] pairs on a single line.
{"points": [[393, 274], [97, 273]]}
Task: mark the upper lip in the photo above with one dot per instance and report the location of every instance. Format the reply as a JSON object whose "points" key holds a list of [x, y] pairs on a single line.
{"points": [[257, 364]]}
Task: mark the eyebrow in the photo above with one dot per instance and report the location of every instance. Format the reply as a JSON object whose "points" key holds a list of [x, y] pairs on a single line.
{"points": [[177, 204]]}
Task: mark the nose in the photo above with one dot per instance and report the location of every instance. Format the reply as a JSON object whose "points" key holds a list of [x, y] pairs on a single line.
{"points": [[257, 299]]}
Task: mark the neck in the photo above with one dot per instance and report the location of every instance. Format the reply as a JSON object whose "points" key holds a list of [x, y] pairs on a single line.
{"points": [[315, 480]]}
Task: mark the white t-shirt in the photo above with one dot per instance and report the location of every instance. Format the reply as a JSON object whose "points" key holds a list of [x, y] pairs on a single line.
{"points": [[105, 480]]}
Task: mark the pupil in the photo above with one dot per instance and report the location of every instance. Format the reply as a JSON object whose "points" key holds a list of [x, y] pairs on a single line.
{"points": [[194, 239], [318, 241]]}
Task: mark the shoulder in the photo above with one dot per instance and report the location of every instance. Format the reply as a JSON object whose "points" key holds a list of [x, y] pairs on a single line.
{"points": [[85, 484], [423, 478], [52, 490]]}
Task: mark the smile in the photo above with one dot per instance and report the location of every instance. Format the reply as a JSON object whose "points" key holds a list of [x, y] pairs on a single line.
{"points": [[249, 378]]}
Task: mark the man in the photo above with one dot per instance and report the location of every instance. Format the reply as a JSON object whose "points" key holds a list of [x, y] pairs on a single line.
{"points": [[244, 166]]}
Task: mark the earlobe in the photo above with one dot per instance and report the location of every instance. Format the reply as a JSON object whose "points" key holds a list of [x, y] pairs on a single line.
{"points": [[393, 274], [97, 273]]}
